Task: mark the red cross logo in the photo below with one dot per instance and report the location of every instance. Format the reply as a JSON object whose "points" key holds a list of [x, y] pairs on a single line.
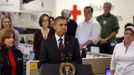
{"points": [[75, 12]]}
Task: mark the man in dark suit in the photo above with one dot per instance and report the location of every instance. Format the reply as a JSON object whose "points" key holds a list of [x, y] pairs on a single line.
{"points": [[52, 51], [71, 24]]}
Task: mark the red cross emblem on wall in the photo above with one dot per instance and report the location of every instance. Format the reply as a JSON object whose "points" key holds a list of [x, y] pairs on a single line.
{"points": [[75, 12]]}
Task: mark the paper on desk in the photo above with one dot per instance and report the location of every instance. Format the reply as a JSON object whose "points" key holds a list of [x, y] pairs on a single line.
{"points": [[95, 49]]}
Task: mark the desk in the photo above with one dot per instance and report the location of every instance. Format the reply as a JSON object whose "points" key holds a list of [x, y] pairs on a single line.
{"points": [[98, 61]]}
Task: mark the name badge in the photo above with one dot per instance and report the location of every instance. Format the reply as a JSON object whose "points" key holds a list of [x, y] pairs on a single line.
{"points": [[19, 59], [104, 22]]}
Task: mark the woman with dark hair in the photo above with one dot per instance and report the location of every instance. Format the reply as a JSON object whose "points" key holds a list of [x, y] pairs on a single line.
{"points": [[6, 22], [51, 24], [41, 34], [11, 59], [51, 21], [122, 62]]}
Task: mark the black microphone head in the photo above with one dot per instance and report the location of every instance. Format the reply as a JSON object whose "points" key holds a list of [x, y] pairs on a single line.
{"points": [[62, 55], [70, 55], [66, 57]]}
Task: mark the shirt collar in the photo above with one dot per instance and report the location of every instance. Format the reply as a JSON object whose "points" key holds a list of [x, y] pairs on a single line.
{"points": [[132, 42], [57, 37], [43, 31], [107, 15], [68, 20], [88, 20]]}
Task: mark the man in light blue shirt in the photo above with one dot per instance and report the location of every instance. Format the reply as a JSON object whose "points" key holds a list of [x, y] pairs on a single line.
{"points": [[88, 31]]}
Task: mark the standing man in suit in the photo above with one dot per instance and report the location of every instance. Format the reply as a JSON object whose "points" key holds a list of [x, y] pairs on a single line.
{"points": [[60, 47], [71, 24]]}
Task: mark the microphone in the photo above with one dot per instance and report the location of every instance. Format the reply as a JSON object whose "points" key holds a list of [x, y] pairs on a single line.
{"points": [[69, 57], [66, 57], [62, 56]]}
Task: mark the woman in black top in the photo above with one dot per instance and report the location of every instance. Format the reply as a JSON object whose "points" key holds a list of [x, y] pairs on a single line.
{"points": [[11, 59], [41, 34]]}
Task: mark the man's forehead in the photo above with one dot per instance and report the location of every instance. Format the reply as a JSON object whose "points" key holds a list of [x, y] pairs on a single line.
{"points": [[61, 21], [107, 5]]}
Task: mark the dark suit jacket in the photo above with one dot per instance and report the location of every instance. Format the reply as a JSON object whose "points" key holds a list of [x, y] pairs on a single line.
{"points": [[51, 54], [5, 67], [71, 27], [38, 38]]}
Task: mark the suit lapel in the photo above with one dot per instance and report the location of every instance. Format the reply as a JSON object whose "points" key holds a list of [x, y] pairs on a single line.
{"points": [[55, 47], [54, 42], [67, 43]]}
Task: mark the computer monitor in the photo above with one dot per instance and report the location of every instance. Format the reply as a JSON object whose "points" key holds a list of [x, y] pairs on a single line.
{"points": [[107, 71]]}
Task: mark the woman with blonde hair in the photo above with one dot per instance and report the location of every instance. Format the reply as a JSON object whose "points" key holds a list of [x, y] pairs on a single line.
{"points": [[6, 22]]}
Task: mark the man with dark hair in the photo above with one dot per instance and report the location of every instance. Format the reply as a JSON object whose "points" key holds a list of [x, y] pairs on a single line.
{"points": [[60, 47], [110, 27], [88, 31]]}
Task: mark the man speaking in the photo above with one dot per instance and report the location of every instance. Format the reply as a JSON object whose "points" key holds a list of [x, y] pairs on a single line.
{"points": [[59, 47]]}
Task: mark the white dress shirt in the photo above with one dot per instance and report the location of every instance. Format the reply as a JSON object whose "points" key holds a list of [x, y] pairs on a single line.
{"points": [[123, 62], [88, 30], [57, 39]]}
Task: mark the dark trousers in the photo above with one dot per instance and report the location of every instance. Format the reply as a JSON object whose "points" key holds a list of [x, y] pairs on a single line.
{"points": [[106, 48]]}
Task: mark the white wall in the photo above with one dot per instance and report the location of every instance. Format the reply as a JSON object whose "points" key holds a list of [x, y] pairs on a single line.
{"points": [[36, 5], [9, 5], [121, 8]]}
